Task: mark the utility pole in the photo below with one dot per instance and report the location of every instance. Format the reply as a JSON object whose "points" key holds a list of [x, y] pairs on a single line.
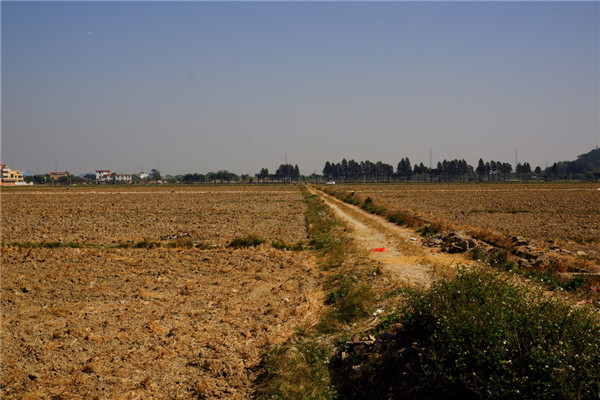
{"points": [[430, 159]]}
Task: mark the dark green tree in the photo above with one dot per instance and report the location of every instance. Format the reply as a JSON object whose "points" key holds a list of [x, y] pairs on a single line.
{"points": [[155, 175], [480, 170]]}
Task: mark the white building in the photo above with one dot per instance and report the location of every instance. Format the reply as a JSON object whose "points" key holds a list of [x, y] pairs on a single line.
{"points": [[103, 175], [123, 177]]}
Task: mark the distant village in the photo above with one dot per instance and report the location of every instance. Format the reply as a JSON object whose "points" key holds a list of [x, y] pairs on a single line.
{"points": [[286, 173], [16, 177]]}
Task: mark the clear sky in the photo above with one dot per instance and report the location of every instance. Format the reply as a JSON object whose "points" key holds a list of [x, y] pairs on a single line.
{"points": [[203, 86]]}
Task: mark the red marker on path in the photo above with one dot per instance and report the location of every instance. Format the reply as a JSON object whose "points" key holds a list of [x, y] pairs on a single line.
{"points": [[379, 250]]}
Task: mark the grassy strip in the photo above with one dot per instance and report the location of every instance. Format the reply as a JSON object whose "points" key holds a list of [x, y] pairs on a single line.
{"points": [[483, 337], [327, 235], [299, 369], [247, 241]]}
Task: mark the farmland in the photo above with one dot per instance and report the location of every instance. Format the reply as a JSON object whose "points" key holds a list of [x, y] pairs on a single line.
{"points": [[185, 317], [138, 292], [567, 215]]}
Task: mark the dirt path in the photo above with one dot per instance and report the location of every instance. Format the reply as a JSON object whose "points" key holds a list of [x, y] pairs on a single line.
{"points": [[405, 258]]}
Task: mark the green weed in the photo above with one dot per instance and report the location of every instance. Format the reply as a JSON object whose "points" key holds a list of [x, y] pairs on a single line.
{"points": [[349, 299], [476, 253], [428, 230], [281, 245], [397, 218], [298, 370], [146, 244], [499, 259], [247, 241]]}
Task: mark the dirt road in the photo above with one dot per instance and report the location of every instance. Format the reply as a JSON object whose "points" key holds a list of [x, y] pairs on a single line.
{"points": [[399, 250]]}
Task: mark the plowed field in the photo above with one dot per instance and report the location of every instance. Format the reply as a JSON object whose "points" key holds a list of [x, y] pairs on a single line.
{"points": [[137, 323], [108, 216]]}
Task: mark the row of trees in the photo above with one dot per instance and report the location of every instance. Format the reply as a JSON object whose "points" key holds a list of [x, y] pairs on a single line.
{"points": [[286, 173], [352, 171], [367, 171], [445, 171]]}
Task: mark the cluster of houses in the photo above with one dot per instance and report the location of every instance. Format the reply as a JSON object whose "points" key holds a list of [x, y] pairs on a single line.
{"points": [[15, 177]]}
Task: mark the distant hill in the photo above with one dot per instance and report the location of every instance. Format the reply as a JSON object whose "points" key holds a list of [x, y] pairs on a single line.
{"points": [[586, 164], [589, 161]]}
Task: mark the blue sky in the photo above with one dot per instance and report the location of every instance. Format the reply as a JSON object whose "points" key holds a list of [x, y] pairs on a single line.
{"points": [[203, 86]]}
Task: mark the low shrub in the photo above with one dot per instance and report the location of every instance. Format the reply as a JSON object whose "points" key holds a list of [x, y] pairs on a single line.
{"points": [[499, 259], [397, 218], [484, 337], [553, 281], [476, 253]]}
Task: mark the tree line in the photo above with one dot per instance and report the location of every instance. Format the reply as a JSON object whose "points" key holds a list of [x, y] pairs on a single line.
{"points": [[368, 171], [586, 167]]}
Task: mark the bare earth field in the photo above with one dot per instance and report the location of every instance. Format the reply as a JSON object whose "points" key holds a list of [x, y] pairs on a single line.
{"points": [[166, 323], [109, 215], [568, 214]]}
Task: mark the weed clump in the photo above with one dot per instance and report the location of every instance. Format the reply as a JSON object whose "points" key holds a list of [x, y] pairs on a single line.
{"points": [[397, 218], [349, 300], [298, 370], [350, 199], [372, 208], [477, 254], [499, 259], [281, 245], [428, 230], [145, 244], [483, 337], [247, 241]]}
